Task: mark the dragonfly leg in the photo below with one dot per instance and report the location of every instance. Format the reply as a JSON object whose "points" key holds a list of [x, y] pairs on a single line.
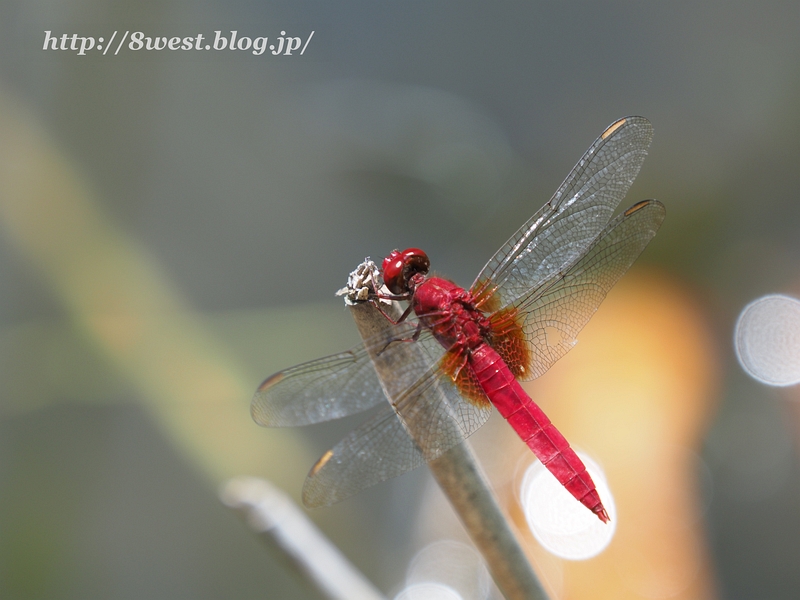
{"points": [[402, 318], [413, 338]]}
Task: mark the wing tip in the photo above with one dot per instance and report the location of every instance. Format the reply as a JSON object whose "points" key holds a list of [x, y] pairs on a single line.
{"points": [[323, 460], [313, 495], [270, 381], [260, 409], [310, 500], [637, 207], [613, 127], [257, 414], [654, 204], [631, 121]]}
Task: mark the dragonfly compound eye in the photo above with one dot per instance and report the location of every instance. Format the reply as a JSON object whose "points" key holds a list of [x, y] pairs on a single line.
{"points": [[399, 267]]}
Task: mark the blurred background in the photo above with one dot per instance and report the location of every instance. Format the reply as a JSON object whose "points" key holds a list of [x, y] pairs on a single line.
{"points": [[174, 224]]}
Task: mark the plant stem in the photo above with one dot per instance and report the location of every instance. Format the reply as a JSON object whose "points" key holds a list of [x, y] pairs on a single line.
{"points": [[462, 481], [284, 526]]}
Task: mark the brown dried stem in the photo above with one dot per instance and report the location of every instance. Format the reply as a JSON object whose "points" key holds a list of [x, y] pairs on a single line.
{"points": [[462, 481]]}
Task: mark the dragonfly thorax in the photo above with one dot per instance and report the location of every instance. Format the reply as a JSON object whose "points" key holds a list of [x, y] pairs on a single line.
{"points": [[450, 313]]}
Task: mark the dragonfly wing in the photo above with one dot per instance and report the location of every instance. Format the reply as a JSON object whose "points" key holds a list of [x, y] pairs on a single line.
{"points": [[564, 227], [383, 447], [334, 386], [557, 310]]}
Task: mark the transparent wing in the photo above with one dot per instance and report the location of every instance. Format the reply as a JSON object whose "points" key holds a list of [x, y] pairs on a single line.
{"points": [[557, 310], [338, 385], [564, 227], [383, 447], [425, 402]]}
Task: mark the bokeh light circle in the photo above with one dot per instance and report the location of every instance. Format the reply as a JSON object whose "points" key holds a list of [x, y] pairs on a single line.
{"points": [[560, 523], [453, 565], [767, 340], [428, 591]]}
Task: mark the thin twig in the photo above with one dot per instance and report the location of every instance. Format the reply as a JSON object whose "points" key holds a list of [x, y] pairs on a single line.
{"points": [[273, 515], [461, 480]]}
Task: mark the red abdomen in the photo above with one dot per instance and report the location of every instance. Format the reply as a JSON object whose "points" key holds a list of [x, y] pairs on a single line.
{"points": [[533, 426]]}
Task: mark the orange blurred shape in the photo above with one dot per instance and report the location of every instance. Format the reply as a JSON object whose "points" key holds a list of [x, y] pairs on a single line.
{"points": [[637, 394]]}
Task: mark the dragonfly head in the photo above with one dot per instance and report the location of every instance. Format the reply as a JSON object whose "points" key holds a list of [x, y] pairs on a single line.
{"points": [[403, 271]]}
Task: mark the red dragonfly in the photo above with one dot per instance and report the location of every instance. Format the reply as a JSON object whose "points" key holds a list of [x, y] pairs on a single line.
{"points": [[522, 314]]}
